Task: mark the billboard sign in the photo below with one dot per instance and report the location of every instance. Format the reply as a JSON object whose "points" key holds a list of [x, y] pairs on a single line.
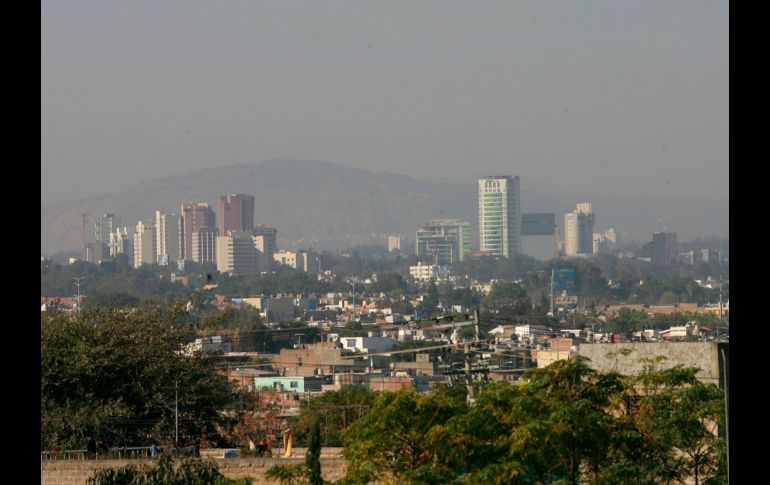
{"points": [[564, 279]]}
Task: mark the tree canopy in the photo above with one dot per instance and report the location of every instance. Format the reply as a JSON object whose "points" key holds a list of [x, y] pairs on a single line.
{"points": [[111, 376], [565, 424]]}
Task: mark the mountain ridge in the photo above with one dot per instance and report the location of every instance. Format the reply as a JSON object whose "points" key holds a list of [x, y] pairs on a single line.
{"points": [[328, 205]]}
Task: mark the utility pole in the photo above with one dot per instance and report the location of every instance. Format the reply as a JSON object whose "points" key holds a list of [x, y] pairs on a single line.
{"points": [[84, 217], [468, 373], [78, 282], [176, 416], [553, 315], [720, 297], [467, 356]]}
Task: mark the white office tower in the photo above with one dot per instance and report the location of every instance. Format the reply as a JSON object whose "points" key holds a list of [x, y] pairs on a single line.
{"points": [[500, 215], [144, 243], [579, 231], [168, 237]]}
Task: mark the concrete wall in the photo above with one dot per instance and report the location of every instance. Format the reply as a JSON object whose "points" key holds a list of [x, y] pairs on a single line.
{"points": [[77, 472], [608, 357]]}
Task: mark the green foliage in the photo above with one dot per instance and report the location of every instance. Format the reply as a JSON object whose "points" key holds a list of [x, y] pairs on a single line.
{"points": [[388, 283], [565, 424], [111, 300], [288, 474], [113, 278], [431, 300], [504, 295], [189, 472], [110, 375], [334, 411], [393, 437], [313, 457]]}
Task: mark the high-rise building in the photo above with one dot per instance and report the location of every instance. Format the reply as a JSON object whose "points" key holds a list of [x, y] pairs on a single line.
{"points": [[122, 242], [664, 248], [396, 243], [265, 240], [237, 253], [309, 260], [194, 217], [538, 235], [604, 241], [579, 231], [144, 243], [99, 250], [204, 245], [443, 241], [500, 215], [168, 234], [236, 213]]}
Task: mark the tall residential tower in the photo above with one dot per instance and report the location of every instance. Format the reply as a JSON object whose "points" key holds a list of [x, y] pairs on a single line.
{"points": [[579, 231], [236, 213], [195, 216], [500, 215]]}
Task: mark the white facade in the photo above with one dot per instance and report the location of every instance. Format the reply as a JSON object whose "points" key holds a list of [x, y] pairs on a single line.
{"points": [[237, 253], [530, 330], [604, 241], [288, 258], [168, 235], [424, 272], [579, 231], [368, 344], [204, 245], [144, 243], [500, 215], [396, 243], [122, 242]]}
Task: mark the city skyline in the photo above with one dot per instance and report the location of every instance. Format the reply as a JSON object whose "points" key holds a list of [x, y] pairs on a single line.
{"points": [[315, 177]]}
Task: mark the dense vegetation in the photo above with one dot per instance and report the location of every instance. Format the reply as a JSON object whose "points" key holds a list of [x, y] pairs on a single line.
{"points": [[601, 279], [567, 424], [189, 472], [111, 377]]}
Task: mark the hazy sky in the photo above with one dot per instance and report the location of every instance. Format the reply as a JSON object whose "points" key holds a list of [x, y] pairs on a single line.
{"points": [[605, 97]]}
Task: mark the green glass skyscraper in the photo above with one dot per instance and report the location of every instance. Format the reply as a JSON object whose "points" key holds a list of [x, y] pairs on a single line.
{"points": [[500, 215]]}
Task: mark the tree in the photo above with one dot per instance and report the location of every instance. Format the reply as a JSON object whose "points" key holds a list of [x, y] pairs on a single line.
{"points": [[111, 376], [560, 423], [313, 457], [674, 418], [431, 300], [334, 411], [287, 474], [505, 295], [564, 424], [392, 439]]}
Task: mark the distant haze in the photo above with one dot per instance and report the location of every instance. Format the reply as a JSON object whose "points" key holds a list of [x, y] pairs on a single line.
{"points": [[592, 97], [327, 205]]}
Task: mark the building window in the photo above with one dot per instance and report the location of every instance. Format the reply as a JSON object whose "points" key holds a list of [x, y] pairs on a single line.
{"points": [[294, 384], [351, 344]]}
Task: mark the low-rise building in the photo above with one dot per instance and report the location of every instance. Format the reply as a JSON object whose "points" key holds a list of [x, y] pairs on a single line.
{"points": [[213, 344], [368, 344], [323, 358], [299, 384]]}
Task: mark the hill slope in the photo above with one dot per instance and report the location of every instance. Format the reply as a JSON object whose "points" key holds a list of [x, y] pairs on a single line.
{"points": [[327, 205]]}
